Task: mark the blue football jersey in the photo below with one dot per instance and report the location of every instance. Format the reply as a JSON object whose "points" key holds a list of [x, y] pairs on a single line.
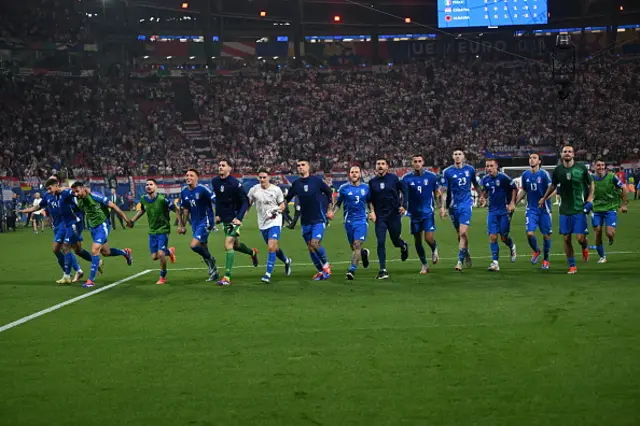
{"points": [[314, 197], [198, 202], [419, 193], [499, 189], [354, 198], [536, 185], [458, 182]]}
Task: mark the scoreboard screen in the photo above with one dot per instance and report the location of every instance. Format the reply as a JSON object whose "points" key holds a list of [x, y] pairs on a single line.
{"points": [[491, 13]]}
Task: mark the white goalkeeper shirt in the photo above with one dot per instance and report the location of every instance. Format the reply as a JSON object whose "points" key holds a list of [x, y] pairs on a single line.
{"points": [[267, 201]]}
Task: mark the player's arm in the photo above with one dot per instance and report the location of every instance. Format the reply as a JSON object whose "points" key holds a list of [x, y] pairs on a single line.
{"points": [[244, 203], [280, 200], [552, 187], [34, 208], [475, 182], [403, 192], [514, 195], [623, 194], [138, 215], [482, 192], [324, 188], [105, 202], [444, 192], [338, 203]]}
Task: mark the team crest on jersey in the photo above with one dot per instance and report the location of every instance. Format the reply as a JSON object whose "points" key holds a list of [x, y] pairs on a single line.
{"points": [[426, 182], [539, 180], [568, 176], [222, 188], [382, 185], [497, 183], [466, 173], [197, 196], [362, 191], [306, 188]]}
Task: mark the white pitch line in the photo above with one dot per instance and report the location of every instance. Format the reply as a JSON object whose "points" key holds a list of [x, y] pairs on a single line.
{"points": [[70, 301], [348, 262]]}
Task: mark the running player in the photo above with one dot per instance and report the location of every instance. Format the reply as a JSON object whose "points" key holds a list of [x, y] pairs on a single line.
{"points": [[269, 202], [535, 182], [314, 197], [421, 191], [231, 206], [67, 229], [386, 211], [501, 191], [572, 179], [96, 209], [355, 196], [610, 193], [157, 208], [457, 181], [195, 200]]}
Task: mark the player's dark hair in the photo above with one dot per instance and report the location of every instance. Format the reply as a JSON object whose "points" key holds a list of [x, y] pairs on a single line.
{"points": [[263, 170], [226, 161], [306, 160], [418, 155], [77, 184], [51, 182], [599, 159], [383, 159], [151, 180], [458, 148], [535, 153], [355, 165], [194, 171]]}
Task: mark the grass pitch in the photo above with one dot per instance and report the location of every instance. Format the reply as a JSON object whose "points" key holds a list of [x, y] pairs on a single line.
{"points": [[518, 347]]}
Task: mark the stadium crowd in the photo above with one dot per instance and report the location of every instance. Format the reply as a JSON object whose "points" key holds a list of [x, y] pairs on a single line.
{"points": [[118, 125]]}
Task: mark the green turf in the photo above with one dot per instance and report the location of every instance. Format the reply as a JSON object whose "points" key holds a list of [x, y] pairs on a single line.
{"points": [[520, 347]]}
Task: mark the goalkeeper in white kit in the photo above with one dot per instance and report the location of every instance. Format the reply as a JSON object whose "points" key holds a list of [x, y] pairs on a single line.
{"points": [[270, 204]]}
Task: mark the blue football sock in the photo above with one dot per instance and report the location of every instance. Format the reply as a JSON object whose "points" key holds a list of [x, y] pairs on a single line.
{"points": [[495, 250], [322, 255], [74, 263], [421, 254], [352, 268], [85, 255], [462, 254], [571, 261], [433, 246], [316, 260], [509, 242], [600, 249], [533, 243], [382, 256], [163, 273], [202, 251], [117, 252], [546, 248], [95, 262], [271, 262], [60, 257], [67, 263], [280, 255]]}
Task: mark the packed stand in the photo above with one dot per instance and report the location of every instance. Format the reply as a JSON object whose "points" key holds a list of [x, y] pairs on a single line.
{"points": [[89, 127], [118, 125], [56, 21]]}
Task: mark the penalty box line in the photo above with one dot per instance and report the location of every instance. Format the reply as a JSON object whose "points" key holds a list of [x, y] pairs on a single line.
{"points": [[70, 301], [348, 262]]}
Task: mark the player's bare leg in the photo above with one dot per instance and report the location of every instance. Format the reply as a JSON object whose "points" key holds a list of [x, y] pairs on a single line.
{"points": [[356, 254], [611, 233]]}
